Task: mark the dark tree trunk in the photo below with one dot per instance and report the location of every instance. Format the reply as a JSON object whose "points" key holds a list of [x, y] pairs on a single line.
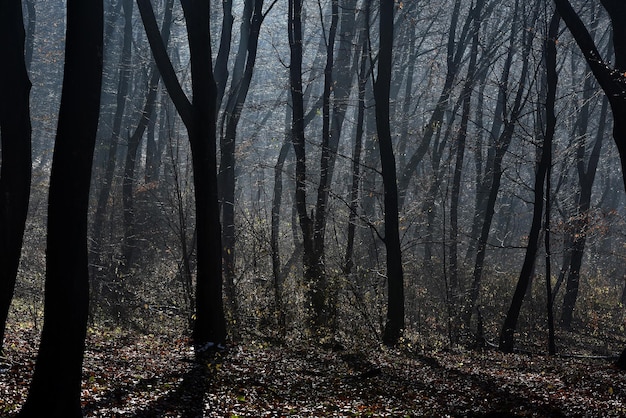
{"points": [[612, 80], [56, 385], [312, 260], [199, 118], [395, 277], [510, 322], [466, 96], [99, 270], [15, 134], [586, 178], [312, 270], [275, 233], [221, 61], [210, 325], [356, 162], [242, 76], [501, 147]]}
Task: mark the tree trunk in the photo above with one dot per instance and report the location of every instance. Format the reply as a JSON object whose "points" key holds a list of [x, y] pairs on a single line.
{"points": [[199, 118], [395, 277], [312, 262], [510, 322], [610, 79], [56, 385], [356, 162], [586, 178], [501, 147], [210, 323], [275, 233], [240, 85], [125, 66], [15, 134], [466, 96]]}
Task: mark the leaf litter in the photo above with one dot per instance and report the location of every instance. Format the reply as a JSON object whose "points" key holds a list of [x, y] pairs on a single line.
{"points": [[130, 375]]}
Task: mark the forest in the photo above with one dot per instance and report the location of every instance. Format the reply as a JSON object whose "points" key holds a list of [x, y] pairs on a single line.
{"points": [[312, 208]]}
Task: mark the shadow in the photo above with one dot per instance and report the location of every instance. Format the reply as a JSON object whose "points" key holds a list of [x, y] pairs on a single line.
{"points": [[502, 402], [188, 399]]}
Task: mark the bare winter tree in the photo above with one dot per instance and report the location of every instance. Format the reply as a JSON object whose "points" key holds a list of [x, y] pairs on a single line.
{"points": [[199, 117]]}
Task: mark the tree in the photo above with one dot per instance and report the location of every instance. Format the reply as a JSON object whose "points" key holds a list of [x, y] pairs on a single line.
{"points": [[493, 174], [395, 277], [541, 178], [611, 79], [56, 385], [313, 225], [586, 167], [15, 134], [240, 85], [199, 117], [466, 95], [134, 141], [121, 97]]}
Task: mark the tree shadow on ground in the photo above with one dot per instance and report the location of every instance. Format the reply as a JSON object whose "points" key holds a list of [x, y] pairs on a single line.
{"points": [[502, 402], [188, 399]]}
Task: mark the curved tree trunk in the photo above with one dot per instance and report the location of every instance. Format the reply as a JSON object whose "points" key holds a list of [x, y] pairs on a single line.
{"points": [[610, 79]]}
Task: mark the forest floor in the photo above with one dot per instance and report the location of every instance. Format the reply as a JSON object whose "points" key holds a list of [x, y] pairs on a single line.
{"points": [[130, 375]]}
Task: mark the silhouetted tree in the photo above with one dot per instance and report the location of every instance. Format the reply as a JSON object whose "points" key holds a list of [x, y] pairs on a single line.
{"points": [[510, 322], [199, 117], [395, 277], [15, 134], [240, 85], [509, 114], [611, 78], [56, 385]]}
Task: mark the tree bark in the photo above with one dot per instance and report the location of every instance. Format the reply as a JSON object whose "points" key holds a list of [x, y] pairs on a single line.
{"points": [[612, 80], [240, 85], [199, 118], [395, 277], [56, 385], [15, 134], [510, 322], [500, 148]]}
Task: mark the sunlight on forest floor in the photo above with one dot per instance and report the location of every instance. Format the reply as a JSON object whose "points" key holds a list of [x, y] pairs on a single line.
{"points": [[129, 375]]}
